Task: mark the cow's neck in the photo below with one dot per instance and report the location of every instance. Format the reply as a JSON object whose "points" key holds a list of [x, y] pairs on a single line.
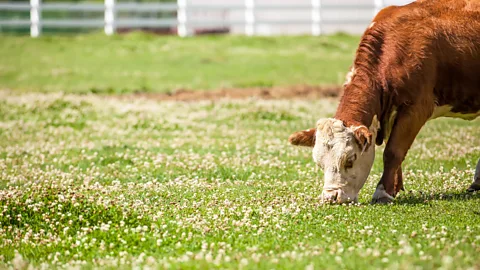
{"points": [[363, 93], [359, 104]]}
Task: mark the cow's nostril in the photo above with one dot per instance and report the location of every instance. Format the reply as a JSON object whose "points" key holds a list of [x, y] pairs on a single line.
{"points": [[331, 196], [334, 197]]}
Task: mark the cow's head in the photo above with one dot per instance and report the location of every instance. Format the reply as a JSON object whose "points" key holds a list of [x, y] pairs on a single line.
{"points": [[345, 154]]}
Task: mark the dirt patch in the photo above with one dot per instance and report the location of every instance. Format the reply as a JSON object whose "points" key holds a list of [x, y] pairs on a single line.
{"points": [[298, 91]]}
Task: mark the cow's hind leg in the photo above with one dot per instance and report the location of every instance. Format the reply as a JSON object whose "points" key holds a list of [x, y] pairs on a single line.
{"points": [[476, 179], [408, 123]]}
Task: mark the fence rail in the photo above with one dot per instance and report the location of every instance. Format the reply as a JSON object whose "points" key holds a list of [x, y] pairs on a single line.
{"points": [[181, 19]]}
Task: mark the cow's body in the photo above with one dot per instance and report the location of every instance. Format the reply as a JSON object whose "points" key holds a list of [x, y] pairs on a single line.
{"points": [[414, 63], [425, 52]]}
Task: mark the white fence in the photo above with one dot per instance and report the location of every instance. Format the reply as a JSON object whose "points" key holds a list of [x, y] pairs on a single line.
{"points": [[182, 19]]}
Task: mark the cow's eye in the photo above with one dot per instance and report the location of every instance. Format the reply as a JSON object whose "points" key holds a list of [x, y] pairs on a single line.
{"points": [[349, 162]]}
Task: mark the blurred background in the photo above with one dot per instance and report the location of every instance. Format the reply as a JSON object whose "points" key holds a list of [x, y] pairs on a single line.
{"points": [[190, 17], [169, 47]]}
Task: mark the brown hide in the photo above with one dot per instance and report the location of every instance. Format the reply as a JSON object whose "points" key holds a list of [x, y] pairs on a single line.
{"points": [[425, 52]]}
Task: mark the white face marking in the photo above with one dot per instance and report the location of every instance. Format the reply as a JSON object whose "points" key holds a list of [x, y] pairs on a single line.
{"points": [[340, 156], [349, 76], [446, 111], [371, 25]]}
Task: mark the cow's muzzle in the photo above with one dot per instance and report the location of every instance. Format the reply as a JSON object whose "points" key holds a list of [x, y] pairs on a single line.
{"points": [[337, 196]]}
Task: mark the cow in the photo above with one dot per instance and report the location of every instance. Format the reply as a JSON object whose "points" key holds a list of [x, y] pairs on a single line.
{"points": [[414, 63]]}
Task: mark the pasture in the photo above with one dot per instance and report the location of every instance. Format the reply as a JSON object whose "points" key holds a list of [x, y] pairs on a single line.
{"points": [[108, 181], [145, 63]]}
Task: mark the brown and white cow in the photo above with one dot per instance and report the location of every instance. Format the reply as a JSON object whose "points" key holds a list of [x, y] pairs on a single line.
{"points": [[414, 63]]}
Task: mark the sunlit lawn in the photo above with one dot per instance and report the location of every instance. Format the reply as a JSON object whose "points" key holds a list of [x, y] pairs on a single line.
{"points": [[95, 63], [101, 182]]}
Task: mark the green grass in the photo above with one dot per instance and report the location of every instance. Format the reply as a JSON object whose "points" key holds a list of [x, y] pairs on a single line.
{"points": [[147, 63], [98, 182]]}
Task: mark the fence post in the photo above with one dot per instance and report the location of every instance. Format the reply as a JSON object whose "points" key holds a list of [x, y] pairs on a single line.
{"points": [[249, 17], [35, 18], [182, 30], [316, 18], [109, 17], [378, 6]]}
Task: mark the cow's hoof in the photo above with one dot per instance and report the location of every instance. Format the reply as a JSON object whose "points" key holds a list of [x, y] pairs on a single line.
{"points": [[381, 196], [474, 187], [383, 200]]}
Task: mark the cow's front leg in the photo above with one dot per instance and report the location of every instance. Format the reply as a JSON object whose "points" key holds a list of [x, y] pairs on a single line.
{"points": [[476, 179], [408, 123], [398, 181]]}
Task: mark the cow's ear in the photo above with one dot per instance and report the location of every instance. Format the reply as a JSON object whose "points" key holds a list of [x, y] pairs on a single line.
{"points": [[363, 137], [303, 138]]}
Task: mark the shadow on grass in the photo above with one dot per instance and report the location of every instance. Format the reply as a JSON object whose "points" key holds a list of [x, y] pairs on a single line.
{"points": [[426, 198]]}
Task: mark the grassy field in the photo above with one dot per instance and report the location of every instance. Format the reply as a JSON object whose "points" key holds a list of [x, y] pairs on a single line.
{"points": [[97, 181], [147, 63], [94, 181]]}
